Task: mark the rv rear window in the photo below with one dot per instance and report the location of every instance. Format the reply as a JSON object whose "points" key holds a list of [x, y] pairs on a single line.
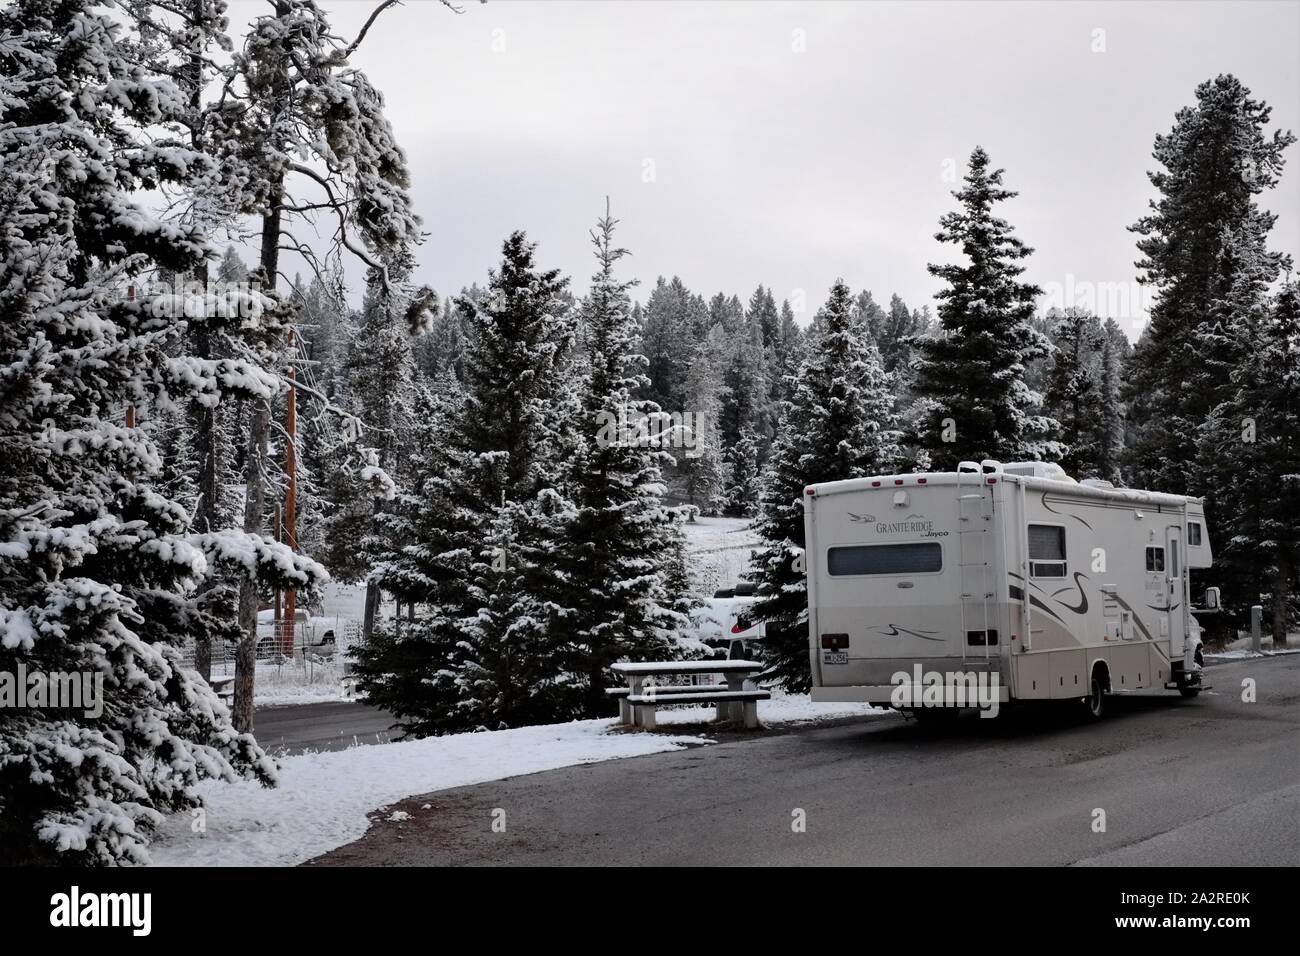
{"points": [[915, 558], [1194, 533]]}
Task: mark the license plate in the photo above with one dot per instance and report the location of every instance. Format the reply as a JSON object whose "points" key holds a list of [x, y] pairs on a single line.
{"points": [[835, 657]]}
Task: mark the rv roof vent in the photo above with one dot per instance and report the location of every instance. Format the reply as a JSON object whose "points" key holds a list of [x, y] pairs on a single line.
{"points": [[968, 467], [1097, 483], [1038, 469]]}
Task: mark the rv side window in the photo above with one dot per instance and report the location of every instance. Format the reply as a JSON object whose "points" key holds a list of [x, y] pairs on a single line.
{"points": [[1155, 559], [918, 558], [1046, 551], [1194, 533]]}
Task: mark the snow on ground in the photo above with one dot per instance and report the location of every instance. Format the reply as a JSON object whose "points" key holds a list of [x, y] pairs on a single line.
{"points": [[1240, 648], [298, 683], [718, 552], [322, 800]]}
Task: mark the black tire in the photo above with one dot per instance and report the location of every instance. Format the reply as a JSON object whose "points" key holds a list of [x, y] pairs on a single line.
{"points": [[1095, 703]]}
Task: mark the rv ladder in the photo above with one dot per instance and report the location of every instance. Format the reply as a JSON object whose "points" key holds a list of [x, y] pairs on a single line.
{"points": [[974, 554]]}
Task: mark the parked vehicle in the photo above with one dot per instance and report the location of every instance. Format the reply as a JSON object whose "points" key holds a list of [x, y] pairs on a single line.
{"points": [[1047, 587], [726, 621]]}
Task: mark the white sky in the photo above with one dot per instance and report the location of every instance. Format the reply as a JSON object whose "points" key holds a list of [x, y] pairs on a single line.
{"points": [[791, 168]]}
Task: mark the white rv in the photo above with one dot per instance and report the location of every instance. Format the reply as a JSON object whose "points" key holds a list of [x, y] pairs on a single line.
{"points": [[1049, 588]]}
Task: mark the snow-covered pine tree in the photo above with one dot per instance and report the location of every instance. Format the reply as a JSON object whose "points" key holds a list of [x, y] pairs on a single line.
{"points": [[763, 312], [408, 667], [442, 349], [898, 335], [743, 477], [699, 474], [1250, 457], [790, 356], [744, 386], [296, 119], [1110, 422], [1073, 395], [98, 570], [839, 423], [668, 342], [379, 372], [1203, 226], [970, 373], [619, 538], [873, 318], [516, 431]]}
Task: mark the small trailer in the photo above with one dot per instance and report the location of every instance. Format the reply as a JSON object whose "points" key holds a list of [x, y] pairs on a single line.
{"points": [[930, 592]]}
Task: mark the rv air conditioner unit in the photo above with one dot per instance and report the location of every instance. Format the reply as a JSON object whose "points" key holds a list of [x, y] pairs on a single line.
{"points": [[1038, 469]]}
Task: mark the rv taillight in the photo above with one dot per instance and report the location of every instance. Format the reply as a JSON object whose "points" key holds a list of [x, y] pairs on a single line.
{"points": [[898, 481], [920, 481], [875, 484], [835, 642], [992, 481], [810, 491]]}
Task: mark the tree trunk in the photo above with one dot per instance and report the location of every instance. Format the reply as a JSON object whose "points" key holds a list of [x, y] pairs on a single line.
{"points": [[1280, 600], [372, 606], [249, 593], [255, 493]]}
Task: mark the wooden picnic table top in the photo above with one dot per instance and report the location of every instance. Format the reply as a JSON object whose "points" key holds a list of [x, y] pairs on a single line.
{"points": [[687, 667]]}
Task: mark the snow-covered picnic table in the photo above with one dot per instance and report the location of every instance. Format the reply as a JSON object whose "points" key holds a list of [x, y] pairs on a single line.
{"points": [[734, 699]]}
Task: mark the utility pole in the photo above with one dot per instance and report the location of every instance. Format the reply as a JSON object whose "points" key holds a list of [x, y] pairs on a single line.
{"points": [[291, 497]]}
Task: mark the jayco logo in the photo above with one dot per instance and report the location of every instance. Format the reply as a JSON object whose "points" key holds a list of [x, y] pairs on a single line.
{"points": [[74, 909]]}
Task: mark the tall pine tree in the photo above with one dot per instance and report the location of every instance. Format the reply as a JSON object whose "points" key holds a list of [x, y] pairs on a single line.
{"points": [[1205, 226], [970, 372], [839, 423]]}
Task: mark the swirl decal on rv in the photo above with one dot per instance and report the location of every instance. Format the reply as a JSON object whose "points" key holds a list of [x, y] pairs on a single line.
{"points": [[1083, 597], [1063, 514], [896, 631]]}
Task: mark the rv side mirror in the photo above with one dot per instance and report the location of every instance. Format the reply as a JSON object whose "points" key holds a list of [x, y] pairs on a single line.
{"points": [[1212, 599]]}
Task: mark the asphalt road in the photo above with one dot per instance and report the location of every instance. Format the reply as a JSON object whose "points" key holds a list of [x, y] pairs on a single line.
{"points": [[1204, 782], [336, 725]]}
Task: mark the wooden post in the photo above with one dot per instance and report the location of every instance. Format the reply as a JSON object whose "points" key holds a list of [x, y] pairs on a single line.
{"points": [[277, 627]]}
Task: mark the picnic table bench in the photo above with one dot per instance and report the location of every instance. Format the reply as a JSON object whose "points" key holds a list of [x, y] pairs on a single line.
{"points": [[735, 697]]}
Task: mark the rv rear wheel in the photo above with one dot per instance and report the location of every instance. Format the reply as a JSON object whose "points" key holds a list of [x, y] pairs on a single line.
{"points": [[1096, 699]]}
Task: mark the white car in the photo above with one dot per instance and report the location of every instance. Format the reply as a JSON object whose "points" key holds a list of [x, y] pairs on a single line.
{"points": [[724, 620]]}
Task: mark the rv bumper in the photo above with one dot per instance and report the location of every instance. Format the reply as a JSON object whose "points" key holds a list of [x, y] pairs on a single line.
{"points": [[878, 694]]}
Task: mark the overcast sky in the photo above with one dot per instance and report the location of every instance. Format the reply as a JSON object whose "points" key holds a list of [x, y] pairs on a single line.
{"points": [[793, 143]]}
